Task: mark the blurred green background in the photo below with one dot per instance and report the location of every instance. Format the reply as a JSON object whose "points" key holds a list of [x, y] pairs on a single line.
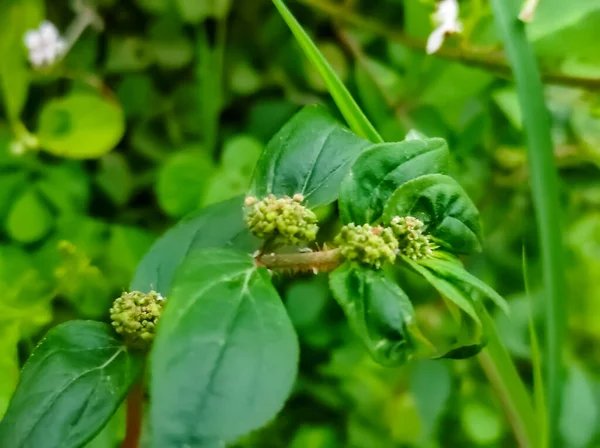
{"points": [[163, 106]]}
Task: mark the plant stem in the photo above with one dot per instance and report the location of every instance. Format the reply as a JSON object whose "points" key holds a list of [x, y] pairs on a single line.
{"points": [[135, 412], [493, 62], [505, 380], [324, 261], [544, 185]]}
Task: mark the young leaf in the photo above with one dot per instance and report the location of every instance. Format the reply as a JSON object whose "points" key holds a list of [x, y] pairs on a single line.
{"points": [[354, 116], [218, 225], [455, 273], [310, 155], [378, 311], [69, 388], [80, 126], [380, 170], [440, 202], [225, 355], [470, 339]]}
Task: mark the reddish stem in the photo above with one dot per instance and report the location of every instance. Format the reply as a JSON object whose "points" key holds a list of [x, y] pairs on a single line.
{"points": [[135, 412]]}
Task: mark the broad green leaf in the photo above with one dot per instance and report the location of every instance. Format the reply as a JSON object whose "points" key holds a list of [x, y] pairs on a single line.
{"points": [[218, 225], [225, 355], [80, 126], [310, 155], [378, 311], [440, 202], [454, 272], [355, 118], [69, 388], [381, 169], [224, 185], [29, 219], [17, 17], [552, 16], [182, 181]]}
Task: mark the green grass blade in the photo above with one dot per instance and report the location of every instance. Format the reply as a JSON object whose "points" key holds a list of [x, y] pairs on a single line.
{"points": [[544, 183], [503, 375], [354, 116], [536, 361]]}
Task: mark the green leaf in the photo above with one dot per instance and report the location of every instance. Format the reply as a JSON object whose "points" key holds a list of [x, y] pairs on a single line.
{"points": [[241, 154], [310, 155], [579, 416], [18, 16], [69, 388], [551, 16], [355, 118], [115, 178], [378, 311], [380, 170], [9, 362], [169, 45], [447, 211], [80, 126], [454, 272], [194, 11], [29, 219], [219, 225], [469, 341], [336, 59], [225, 323], [182, 181]]}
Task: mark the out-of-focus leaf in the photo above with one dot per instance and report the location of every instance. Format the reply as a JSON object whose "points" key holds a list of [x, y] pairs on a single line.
{"points": [[9, 363], [224, 185], [127, 54], [310, 155], [115, 177], [70, 387], [552, 16], [219, 225], [508, 102], [137, 95], [580, 410], [381, 169], [315, 437], [182, 181], [80, 126], [18, 16], [305, 300], [336, 58], [481, 423], [226, 323], [441, 203], [29, 219], [126, 247], [194, 11], [66, 187], [170, 48], [240, 154]]}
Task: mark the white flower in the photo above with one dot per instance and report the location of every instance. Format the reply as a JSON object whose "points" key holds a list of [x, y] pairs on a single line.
{"points": [[446, 19], [45, 45]]}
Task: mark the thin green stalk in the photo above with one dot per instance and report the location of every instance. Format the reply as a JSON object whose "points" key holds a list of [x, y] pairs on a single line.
{"points": [[500, 370], [544, 185], [353, 115]]}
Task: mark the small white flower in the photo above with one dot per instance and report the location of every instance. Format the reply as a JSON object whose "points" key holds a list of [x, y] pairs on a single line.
{"points": [[45, 45], [446, 19]]}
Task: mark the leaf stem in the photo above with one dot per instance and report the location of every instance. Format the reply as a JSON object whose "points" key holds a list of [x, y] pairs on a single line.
{"points": [[509, 387], [323, 261], [493, 62], [135, 412]]}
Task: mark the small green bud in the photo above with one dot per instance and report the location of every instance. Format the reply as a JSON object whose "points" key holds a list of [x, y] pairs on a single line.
{"points": [[284, 221], [367, 244], [134, 316], [412, 240]]}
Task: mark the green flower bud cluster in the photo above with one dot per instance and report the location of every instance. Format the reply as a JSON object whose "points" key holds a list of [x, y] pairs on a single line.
{"points": [[367, 244], [413, 241], [281, 220], [134, 316]]}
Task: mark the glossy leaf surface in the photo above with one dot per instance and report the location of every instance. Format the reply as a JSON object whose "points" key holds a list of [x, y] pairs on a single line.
{"points": [[69, 388], [440, 202], [226, 354], [380, 170]]}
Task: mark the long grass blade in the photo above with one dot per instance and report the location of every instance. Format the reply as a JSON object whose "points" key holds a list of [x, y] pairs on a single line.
{"points": [[352, 113], [544, 184]]}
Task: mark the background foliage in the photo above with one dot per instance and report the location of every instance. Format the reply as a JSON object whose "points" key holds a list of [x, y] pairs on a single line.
{"points": [[166, 109]]}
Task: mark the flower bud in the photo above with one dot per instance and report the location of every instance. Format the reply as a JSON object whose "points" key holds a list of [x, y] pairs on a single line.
{"points": [[412, 240], [134, 316], [284, 221], [367, 244]]}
